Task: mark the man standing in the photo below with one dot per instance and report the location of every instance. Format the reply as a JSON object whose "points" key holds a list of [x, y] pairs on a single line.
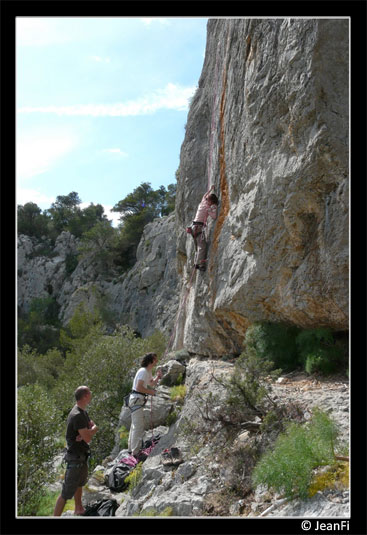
{"points": [[79, 432], [142, 386]]}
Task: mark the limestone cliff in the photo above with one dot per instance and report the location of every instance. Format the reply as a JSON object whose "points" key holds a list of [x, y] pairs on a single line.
{"points": [[268, 126]]}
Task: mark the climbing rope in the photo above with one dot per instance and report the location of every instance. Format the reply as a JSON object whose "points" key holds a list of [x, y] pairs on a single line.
{"points": [[151, 413], [211, 145], [212, 120]]}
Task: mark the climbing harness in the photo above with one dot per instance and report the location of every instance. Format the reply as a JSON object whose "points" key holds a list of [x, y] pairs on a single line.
{"points": [[135, 406]]}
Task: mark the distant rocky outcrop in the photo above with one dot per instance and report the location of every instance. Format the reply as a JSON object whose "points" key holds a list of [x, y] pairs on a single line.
{"points": [[145, 297]]}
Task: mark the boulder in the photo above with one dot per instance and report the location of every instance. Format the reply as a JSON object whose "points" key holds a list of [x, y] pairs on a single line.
{"points": [[172, 371]]}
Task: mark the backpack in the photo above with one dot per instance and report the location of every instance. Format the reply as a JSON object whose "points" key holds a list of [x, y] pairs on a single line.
{"points": [[105, 507], [115, 478]]}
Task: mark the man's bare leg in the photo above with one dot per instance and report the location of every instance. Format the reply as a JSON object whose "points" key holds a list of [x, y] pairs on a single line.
{"points": [[79, 509], [59, 507]]}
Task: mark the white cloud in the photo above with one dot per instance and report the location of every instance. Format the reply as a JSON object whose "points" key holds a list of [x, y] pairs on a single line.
{"points": [[172, 96], [116, 152], [24, 195], [114, 216], [37, 152]]}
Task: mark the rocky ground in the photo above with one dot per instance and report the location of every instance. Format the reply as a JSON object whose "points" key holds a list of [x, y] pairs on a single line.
{"points": [[332, 396], [199, 486]]}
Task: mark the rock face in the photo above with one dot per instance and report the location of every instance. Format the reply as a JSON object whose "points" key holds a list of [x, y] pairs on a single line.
{"points": [[145, 298], [268, 126], [42, 268]]}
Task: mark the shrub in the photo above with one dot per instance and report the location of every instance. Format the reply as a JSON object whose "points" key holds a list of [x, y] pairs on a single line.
{"points": [[171, 418], [124, 437], [319, 351], [287, 346], [135, 476], [248, 387], [71, 261], [274, 342], [178, 393], [26, 369], [38, 428], [43, 369], [47, 503], [288, 467]]}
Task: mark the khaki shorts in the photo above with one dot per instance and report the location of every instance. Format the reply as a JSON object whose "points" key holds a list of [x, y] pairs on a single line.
{"points": [[75, 476]]}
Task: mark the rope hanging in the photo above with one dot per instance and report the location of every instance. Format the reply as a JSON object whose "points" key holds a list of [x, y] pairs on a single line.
{"points": [[211, 146]]}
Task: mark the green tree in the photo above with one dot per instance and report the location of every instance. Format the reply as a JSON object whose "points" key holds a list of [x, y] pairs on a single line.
{"points": [[83, 327], [31, 221], [27, 373], [106, 363], [98, 243], [64, 211], [143, 198], [38, 426], [39, 328], [86, 219], [137, 210], [170, 199], [42, 369]]}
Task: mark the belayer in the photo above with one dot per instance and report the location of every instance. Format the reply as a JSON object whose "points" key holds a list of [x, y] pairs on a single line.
{"points": [[207, 207], [142, 386]]}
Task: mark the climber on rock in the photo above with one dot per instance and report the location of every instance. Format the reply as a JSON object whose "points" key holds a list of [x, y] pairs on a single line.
{"points": [[207, 207]]}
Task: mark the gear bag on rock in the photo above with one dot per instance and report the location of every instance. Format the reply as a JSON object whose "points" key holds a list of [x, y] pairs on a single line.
{"points": [[115, 478], [105, 507]]}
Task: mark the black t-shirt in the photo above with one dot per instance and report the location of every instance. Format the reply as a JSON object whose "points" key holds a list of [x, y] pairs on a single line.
{"points": [[76, 450]]}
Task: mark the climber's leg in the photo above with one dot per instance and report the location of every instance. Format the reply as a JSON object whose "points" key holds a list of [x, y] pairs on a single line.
{"points": [[136, 431], [201, 255]]}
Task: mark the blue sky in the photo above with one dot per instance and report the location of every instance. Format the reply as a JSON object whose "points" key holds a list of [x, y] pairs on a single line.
{"points": [[102, 104]]}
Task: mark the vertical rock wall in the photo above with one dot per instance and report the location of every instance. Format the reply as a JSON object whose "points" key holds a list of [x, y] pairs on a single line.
{"points": [[268, 126]]}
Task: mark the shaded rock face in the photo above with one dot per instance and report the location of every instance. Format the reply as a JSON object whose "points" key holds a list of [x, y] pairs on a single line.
{"points": [[41, 276], [268, 126], [145, 298]]}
